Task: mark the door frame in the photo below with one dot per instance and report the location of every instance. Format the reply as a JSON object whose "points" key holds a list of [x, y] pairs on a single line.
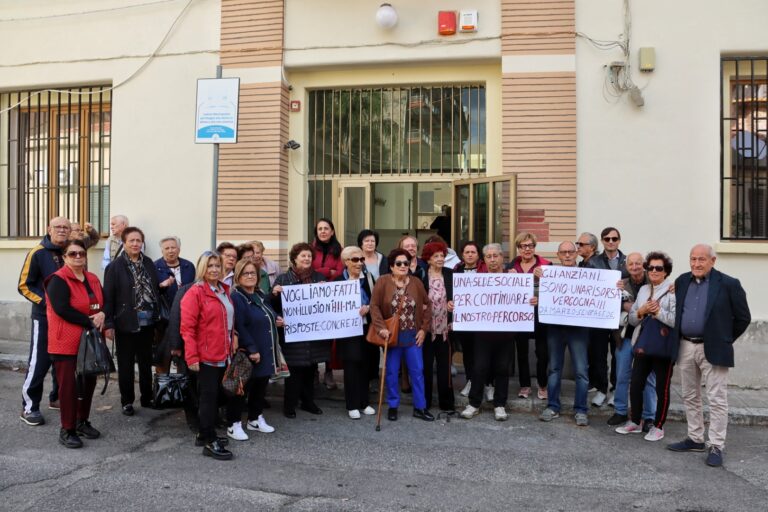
{"points": [[490, 181]]}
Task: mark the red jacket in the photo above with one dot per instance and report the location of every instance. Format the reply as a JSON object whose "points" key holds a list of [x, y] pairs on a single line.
{"points": [[204, 325], [64, 337], [331, 267]]}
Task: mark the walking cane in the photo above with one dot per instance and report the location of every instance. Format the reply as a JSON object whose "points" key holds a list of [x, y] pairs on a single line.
{"points": [[381, 388]]}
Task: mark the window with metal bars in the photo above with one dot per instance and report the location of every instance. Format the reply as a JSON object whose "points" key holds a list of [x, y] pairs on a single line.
{"points": [[423, 130], [743, 151], [54, 159]]}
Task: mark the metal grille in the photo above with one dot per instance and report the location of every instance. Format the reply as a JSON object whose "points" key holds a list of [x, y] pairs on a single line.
{"points": [[744, 154], [54, 159], [397, 131]]}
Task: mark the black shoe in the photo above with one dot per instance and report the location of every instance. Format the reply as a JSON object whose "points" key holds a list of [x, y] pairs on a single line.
{"points": [[311, 408], [715, 457], [217, 451], [265, 404], [617, 419], [289, 413], [686, 445], [423, 414], [199, 441], [128, 410], [85, 429], [647, 424], [69, 440], [149, 404], [392, 414]]}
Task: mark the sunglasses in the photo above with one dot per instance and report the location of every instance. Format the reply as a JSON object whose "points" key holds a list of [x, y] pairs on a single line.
{"points": [[401, 263], [76, 254], [655, 268], [611, 239], [356, 259], [581, 244]]}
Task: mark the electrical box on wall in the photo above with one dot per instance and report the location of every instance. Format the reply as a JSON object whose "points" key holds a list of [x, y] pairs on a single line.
{"points": [[446, 23], [647, 57], [468, 20]]}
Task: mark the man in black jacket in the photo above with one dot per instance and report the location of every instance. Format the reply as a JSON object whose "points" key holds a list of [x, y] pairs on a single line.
{"points": [[712, 312], [42, 261]]}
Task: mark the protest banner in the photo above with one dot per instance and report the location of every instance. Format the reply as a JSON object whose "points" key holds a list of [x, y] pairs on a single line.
{"points": [[322, 311], [583, 297], [492, 302]]}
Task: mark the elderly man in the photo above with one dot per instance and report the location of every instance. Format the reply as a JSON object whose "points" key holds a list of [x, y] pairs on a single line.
{"points": [[88, 235], [577, 340], [42, 261], [623, 355], [114, 244], [712, 312], [587, 249]]}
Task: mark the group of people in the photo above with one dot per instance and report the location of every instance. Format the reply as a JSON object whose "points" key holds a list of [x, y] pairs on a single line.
{"points": [[199, 315]]}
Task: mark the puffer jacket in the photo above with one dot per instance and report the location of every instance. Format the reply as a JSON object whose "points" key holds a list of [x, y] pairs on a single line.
{"points": [[207, 337]]}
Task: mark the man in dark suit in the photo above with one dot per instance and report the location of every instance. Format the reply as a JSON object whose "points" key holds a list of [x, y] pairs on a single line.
{"points": [[712, 312]]}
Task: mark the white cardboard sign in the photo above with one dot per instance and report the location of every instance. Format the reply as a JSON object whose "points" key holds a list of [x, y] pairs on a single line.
{"points": [[492, 302], [322, 311], [582, 297]]}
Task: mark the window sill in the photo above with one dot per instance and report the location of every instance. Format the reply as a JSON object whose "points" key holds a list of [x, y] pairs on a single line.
{"points": [[742, 247]]}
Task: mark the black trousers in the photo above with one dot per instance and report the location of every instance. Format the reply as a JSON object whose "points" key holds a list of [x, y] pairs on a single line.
{"points": [[437, 348], [642, 366], [133, 347], [492, 354], [356, 383], [257, 390], [209, 394], [599, 342], [299, 386], [467, 340], [542, 355]]}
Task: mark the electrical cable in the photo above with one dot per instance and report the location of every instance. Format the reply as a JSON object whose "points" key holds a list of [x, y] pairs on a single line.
{"points": [[82, 13]]}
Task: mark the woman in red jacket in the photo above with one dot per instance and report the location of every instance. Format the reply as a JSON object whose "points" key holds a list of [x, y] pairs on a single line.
{"points": [[207, 320], [74, 302]]}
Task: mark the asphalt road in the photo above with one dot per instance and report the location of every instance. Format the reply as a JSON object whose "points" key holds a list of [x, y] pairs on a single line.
{"points": [[149, 462]]}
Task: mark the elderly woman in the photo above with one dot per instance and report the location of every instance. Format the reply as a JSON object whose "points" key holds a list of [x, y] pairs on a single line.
{"points": [[438, 282], [74, 302], [470, 263], [654, 300], [131, 307], [492, 354], [256, 324], [247, 252], [354, 351], [272, 268], [528, 262], [375, 262], [399, 293], [207, 323], [302, 355]]}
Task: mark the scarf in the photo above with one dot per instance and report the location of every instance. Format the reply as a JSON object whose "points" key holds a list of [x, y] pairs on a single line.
{"points": [[303, 276], [143, 293]]}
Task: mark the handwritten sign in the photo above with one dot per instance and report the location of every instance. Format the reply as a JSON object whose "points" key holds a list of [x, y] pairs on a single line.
{"points": [[492, 302], [583, 297], [322, 311]]}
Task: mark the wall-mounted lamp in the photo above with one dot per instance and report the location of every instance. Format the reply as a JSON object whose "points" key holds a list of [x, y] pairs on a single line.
{"points": [[291, 144], [386, 16]]}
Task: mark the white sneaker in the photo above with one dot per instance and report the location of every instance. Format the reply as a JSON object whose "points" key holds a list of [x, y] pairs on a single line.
{"points": [[369, 411], [489, 390], [500, 414], [465, 390], [629, 427], [611, 400], [655, 434], [236, 432], [354, 414], [260, 425], [469, 412], [599, 399]]}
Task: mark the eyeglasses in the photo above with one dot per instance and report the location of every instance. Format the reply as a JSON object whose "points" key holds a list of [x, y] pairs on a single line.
{"points": [[655, 268], [356, 259], [611, 239], [566, 252], [526, 246], [249, 274], [76, 254], [401, 263]]}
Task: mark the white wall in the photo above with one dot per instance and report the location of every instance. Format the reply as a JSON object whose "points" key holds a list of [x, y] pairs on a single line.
{"points": [[159, 177], [654, 172]]}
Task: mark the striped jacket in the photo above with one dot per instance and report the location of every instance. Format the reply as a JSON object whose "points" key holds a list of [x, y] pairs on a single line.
{"points": [[42, 261]]}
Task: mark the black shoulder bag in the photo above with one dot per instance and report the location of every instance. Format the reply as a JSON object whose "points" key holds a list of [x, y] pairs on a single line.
{"points": [[93, 357]]}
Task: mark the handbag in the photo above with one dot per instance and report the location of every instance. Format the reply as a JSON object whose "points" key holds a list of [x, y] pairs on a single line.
{"points": [[170, 390], [655, 336], [392, 324], [93, 357], [237, 374]]}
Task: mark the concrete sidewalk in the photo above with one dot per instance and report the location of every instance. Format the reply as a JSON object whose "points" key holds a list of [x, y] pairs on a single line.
{"points": [[747, 407]]}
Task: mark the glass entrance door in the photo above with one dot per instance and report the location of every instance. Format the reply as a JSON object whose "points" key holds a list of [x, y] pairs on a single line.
{"points": [[354, 211], [484, 211]]}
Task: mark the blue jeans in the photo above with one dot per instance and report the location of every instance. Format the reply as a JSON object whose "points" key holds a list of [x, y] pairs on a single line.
{"points": [[623, 373], [577, 341], [415, 363]]}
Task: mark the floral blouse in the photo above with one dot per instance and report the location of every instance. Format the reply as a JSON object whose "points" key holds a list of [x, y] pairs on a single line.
{"points": [[437, 295]]}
